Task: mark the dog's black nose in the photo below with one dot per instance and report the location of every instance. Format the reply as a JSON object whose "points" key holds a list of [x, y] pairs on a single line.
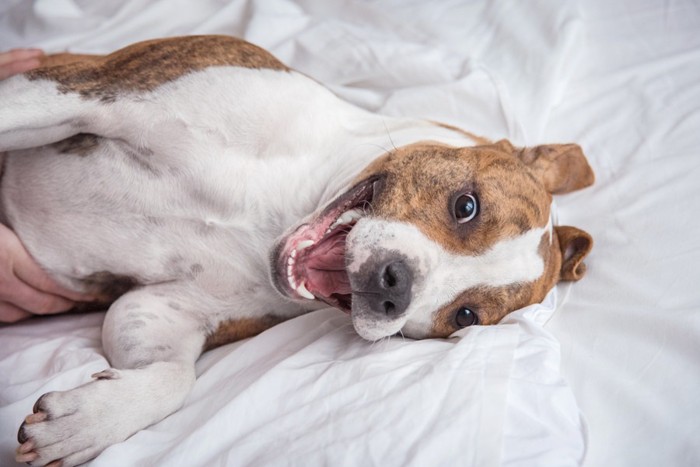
{"points": [[389, 289]]}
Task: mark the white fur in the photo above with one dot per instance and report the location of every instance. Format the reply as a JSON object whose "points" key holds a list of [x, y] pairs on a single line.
{"points": [[35, 113], [439, 275]]}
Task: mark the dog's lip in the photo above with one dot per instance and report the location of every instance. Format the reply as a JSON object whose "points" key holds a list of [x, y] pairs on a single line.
{"points": [[340, 214]]}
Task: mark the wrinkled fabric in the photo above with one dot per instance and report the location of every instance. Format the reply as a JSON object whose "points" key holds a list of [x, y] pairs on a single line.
{"points": [[621, 78]]}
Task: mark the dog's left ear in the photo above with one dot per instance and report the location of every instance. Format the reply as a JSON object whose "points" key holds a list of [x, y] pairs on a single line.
{"points": [[575, 244], [562, 168]]}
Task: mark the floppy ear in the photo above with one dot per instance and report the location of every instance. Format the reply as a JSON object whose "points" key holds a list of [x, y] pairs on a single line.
{"points": [[575, 244], [562, 168]]}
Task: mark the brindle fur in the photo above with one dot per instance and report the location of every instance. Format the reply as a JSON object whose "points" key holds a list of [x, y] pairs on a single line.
{"points": [[144, 66]]}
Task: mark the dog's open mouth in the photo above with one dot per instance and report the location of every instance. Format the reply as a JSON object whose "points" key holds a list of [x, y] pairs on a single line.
{"points": [[310, 263]]}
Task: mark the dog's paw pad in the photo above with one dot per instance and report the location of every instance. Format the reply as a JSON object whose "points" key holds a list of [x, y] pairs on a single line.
{"points": [[109, 373]]}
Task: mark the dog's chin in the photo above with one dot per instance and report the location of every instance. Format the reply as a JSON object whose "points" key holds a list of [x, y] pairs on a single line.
{"points": [[310, 263], [372, 329]]}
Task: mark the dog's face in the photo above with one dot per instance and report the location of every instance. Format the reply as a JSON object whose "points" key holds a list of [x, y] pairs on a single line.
{"points": [[433, 238]]}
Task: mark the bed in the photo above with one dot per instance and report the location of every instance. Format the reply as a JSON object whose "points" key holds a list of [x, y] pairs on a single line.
{"points": [[604, 372]]}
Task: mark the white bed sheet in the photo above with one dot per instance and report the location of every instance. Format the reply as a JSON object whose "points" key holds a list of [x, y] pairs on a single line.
{"points": [[621, 78]]}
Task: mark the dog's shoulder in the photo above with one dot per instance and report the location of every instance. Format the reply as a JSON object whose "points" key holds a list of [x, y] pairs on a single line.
{"points": [[144, 66]]}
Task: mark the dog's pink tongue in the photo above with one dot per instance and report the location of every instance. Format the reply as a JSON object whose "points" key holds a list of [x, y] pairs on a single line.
{"points": [[325, 267]]}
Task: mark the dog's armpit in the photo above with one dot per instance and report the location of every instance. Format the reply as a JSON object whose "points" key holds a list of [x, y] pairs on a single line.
{"points": [[107, 286], [237, 329], [81, 144]]}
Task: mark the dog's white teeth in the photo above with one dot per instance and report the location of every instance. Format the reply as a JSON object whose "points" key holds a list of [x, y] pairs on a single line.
{"points": [[304, 292], [351, 215], [346, 218], [304, 244], [291, 261]]}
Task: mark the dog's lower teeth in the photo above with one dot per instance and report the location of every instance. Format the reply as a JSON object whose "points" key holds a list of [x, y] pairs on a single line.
{"points": [[304, 292]]}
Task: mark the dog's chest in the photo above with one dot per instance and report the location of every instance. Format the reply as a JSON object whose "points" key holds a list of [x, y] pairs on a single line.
{"points": [[209, 221]]}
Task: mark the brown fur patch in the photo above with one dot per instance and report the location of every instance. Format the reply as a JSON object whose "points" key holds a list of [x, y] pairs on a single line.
{"points": [[422, 182], [490, 304], [65, 59], [562, 167], [146, 65], [237, 329]]}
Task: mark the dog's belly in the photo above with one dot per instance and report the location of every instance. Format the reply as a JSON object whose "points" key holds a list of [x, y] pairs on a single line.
{"points": [[101, 218]]}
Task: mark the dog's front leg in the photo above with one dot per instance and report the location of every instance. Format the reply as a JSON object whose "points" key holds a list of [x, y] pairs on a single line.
{"points": [[37, 112], [152, 341]]}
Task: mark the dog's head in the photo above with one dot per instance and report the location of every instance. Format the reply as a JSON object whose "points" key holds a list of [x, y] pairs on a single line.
{"points": [[432, 238]]}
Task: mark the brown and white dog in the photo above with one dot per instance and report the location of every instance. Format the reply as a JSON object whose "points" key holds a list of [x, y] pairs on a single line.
{"points": [[208, 192]]}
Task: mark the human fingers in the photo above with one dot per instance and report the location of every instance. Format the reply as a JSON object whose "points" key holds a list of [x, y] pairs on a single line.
{"points": [[18, 61], [32, 300], [11, 314], [29, 272], [15, 68], [17, 55]]}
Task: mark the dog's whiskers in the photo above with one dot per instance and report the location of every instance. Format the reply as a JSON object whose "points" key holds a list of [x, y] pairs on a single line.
{"points": [[388, 133], [367, 206], [403, 338]]}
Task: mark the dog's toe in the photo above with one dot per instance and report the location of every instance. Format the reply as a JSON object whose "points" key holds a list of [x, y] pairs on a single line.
{"points": [[25, 447], [21, 434], [39, 404], [26, 457]]}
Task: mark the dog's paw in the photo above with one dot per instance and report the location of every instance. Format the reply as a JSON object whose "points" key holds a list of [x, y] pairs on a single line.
{"points": [[57, 433], [69, 428]]}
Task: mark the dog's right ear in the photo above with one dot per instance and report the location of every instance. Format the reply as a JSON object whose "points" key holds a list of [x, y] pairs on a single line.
{"points": [[561, 167]]}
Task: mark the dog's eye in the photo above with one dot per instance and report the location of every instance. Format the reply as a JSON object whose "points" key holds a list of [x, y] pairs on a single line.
{"points": [[466, 208], [466, 317]]}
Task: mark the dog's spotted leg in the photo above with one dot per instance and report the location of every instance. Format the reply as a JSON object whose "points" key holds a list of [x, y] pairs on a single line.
{"points": [[152, 347]]}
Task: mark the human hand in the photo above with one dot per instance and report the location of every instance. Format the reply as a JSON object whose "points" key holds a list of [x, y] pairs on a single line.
{"points": [[17, 61], [25, 288]]}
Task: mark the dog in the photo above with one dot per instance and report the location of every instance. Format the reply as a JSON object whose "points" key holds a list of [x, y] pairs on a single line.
{"points": [[204, 192]]}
